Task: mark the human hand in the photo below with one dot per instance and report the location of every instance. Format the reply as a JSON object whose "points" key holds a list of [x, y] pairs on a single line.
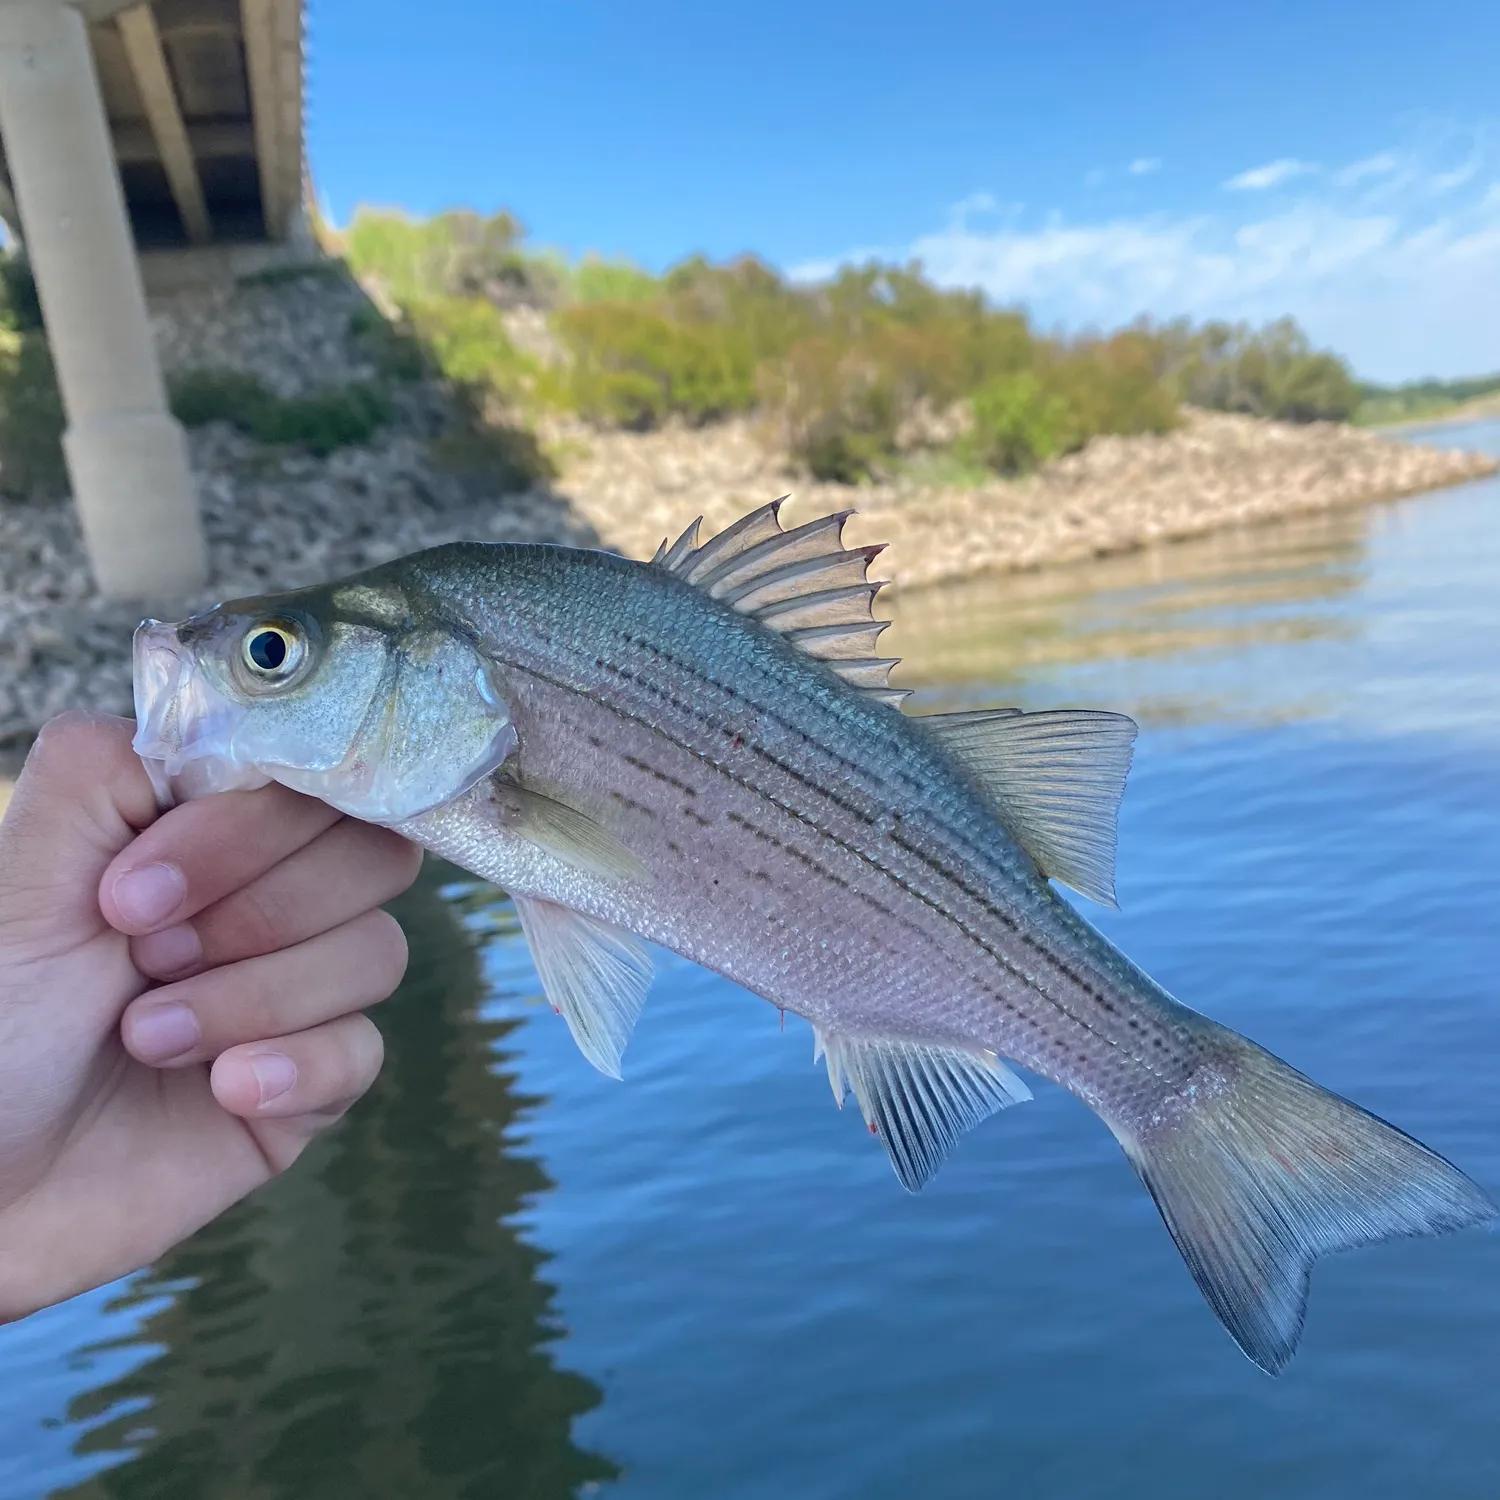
{"points": [[180, 1002]]}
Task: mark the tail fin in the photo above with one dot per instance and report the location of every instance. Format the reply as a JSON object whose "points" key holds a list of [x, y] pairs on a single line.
{"points": [[1260, 1174]]}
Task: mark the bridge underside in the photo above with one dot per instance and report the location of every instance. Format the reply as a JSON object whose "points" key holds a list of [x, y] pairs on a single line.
{"points": [[203, 101], [125, 128]]}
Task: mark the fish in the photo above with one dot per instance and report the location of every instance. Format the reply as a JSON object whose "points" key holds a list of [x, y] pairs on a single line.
{"points": [[705, 752]]}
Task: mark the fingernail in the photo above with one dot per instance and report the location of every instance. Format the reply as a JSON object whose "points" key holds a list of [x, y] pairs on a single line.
{"points": [[149, 895], [161, 1032], [169, 951], [274, 1072]]}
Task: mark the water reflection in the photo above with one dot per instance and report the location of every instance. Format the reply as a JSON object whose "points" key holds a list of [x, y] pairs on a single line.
{"points": [[372, 1324], [1208, 599]]}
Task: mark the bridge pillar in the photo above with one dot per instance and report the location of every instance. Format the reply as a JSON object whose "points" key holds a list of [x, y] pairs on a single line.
{"points": [[126, 454]]}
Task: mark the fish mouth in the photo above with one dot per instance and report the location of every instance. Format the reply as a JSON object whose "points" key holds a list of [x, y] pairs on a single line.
{"points": [[185, 728]]}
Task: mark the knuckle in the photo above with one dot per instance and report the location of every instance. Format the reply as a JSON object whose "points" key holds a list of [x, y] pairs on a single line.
{"points": [[255, 919], [77, 737], [230, 1006]]}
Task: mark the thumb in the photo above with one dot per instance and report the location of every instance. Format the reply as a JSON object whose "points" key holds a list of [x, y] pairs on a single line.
{"points": [[82, 796]]}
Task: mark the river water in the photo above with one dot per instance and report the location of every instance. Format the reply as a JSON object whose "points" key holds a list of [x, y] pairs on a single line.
{"points": [[508, 1276]]}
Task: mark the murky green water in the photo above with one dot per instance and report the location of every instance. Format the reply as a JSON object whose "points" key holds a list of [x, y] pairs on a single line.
{"points": [[507, 1276]]}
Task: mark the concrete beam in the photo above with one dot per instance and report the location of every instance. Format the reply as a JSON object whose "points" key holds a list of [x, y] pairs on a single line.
{"points": [[258, 19], [127, 457], [148, 62]]}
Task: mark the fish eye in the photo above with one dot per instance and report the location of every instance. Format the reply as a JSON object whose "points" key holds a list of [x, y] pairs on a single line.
{"points": [[272, 652]]}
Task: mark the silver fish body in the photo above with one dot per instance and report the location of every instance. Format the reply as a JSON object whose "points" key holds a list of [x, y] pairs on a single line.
{"points": [[802, 840], [676, 763]]}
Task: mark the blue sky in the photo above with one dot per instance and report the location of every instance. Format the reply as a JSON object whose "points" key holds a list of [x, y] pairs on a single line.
{"points": [[1095, 161]]}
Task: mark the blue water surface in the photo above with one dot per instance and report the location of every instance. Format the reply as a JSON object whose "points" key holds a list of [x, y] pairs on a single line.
{"points": [[510, 1276]]}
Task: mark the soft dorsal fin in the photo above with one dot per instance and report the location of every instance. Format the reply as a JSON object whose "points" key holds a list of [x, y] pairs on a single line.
{"points": [[917, 1097], [803, 584], [595, 975], [1055, 778]]}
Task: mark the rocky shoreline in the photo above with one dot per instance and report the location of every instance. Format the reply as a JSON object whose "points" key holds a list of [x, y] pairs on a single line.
{"points": [[1117, 494], [279, 518]]}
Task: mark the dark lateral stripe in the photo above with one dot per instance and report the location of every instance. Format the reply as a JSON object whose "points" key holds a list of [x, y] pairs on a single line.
{"points": [[977, 938], [568, 648], [945, 871], [823, 872], [658, 773]]}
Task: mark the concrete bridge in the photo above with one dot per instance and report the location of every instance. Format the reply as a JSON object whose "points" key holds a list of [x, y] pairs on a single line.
{"points": [[160, 140]]}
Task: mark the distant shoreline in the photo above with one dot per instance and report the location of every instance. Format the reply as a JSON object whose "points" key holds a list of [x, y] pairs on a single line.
{"points": [[1481, 409], [627, 492]]}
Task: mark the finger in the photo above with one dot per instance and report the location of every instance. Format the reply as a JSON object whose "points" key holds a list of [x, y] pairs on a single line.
{"points": [[298, 1085], [79, 800], [198, 853], [196, 1019], [349, 869]]}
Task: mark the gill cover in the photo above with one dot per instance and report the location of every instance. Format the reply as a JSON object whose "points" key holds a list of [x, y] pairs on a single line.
{"points": [[382, 726]]}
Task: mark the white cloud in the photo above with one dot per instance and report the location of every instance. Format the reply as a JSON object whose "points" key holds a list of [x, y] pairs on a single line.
{"points": [[974, 204], [1400, 280], [1382, 164], [1258, 179], [1144, 165], [1445, 182]]}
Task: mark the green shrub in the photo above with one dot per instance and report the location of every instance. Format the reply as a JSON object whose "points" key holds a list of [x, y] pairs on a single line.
{"points": [[467, 341], [838, 365], [838, 408], [594, 279], [1018, 423], [339, 417], [455, 254], [634, 365], [317, 270], [20, 306], [395, 349], [323, 421], [1111, 386], [211, 395], [31, 418], [1267, 372]]}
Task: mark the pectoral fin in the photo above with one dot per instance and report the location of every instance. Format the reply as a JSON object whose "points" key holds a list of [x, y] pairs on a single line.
{"points": [[918, 1098], [564, 832], [1055, 778], [594, 974]]}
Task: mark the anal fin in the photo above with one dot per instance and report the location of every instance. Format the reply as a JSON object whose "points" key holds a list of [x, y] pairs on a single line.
{"points": [[918, 1097], [595, 975]]}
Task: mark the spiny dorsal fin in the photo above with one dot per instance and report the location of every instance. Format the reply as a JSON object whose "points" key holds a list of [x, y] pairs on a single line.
{"points": [[595, 975], [666, 557], [747, 532], [803, 584], [1055, 778], [917, 1097]]}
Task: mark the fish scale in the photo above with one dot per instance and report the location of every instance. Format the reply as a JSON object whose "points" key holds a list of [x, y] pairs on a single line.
{"points": [[705, 752]]}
